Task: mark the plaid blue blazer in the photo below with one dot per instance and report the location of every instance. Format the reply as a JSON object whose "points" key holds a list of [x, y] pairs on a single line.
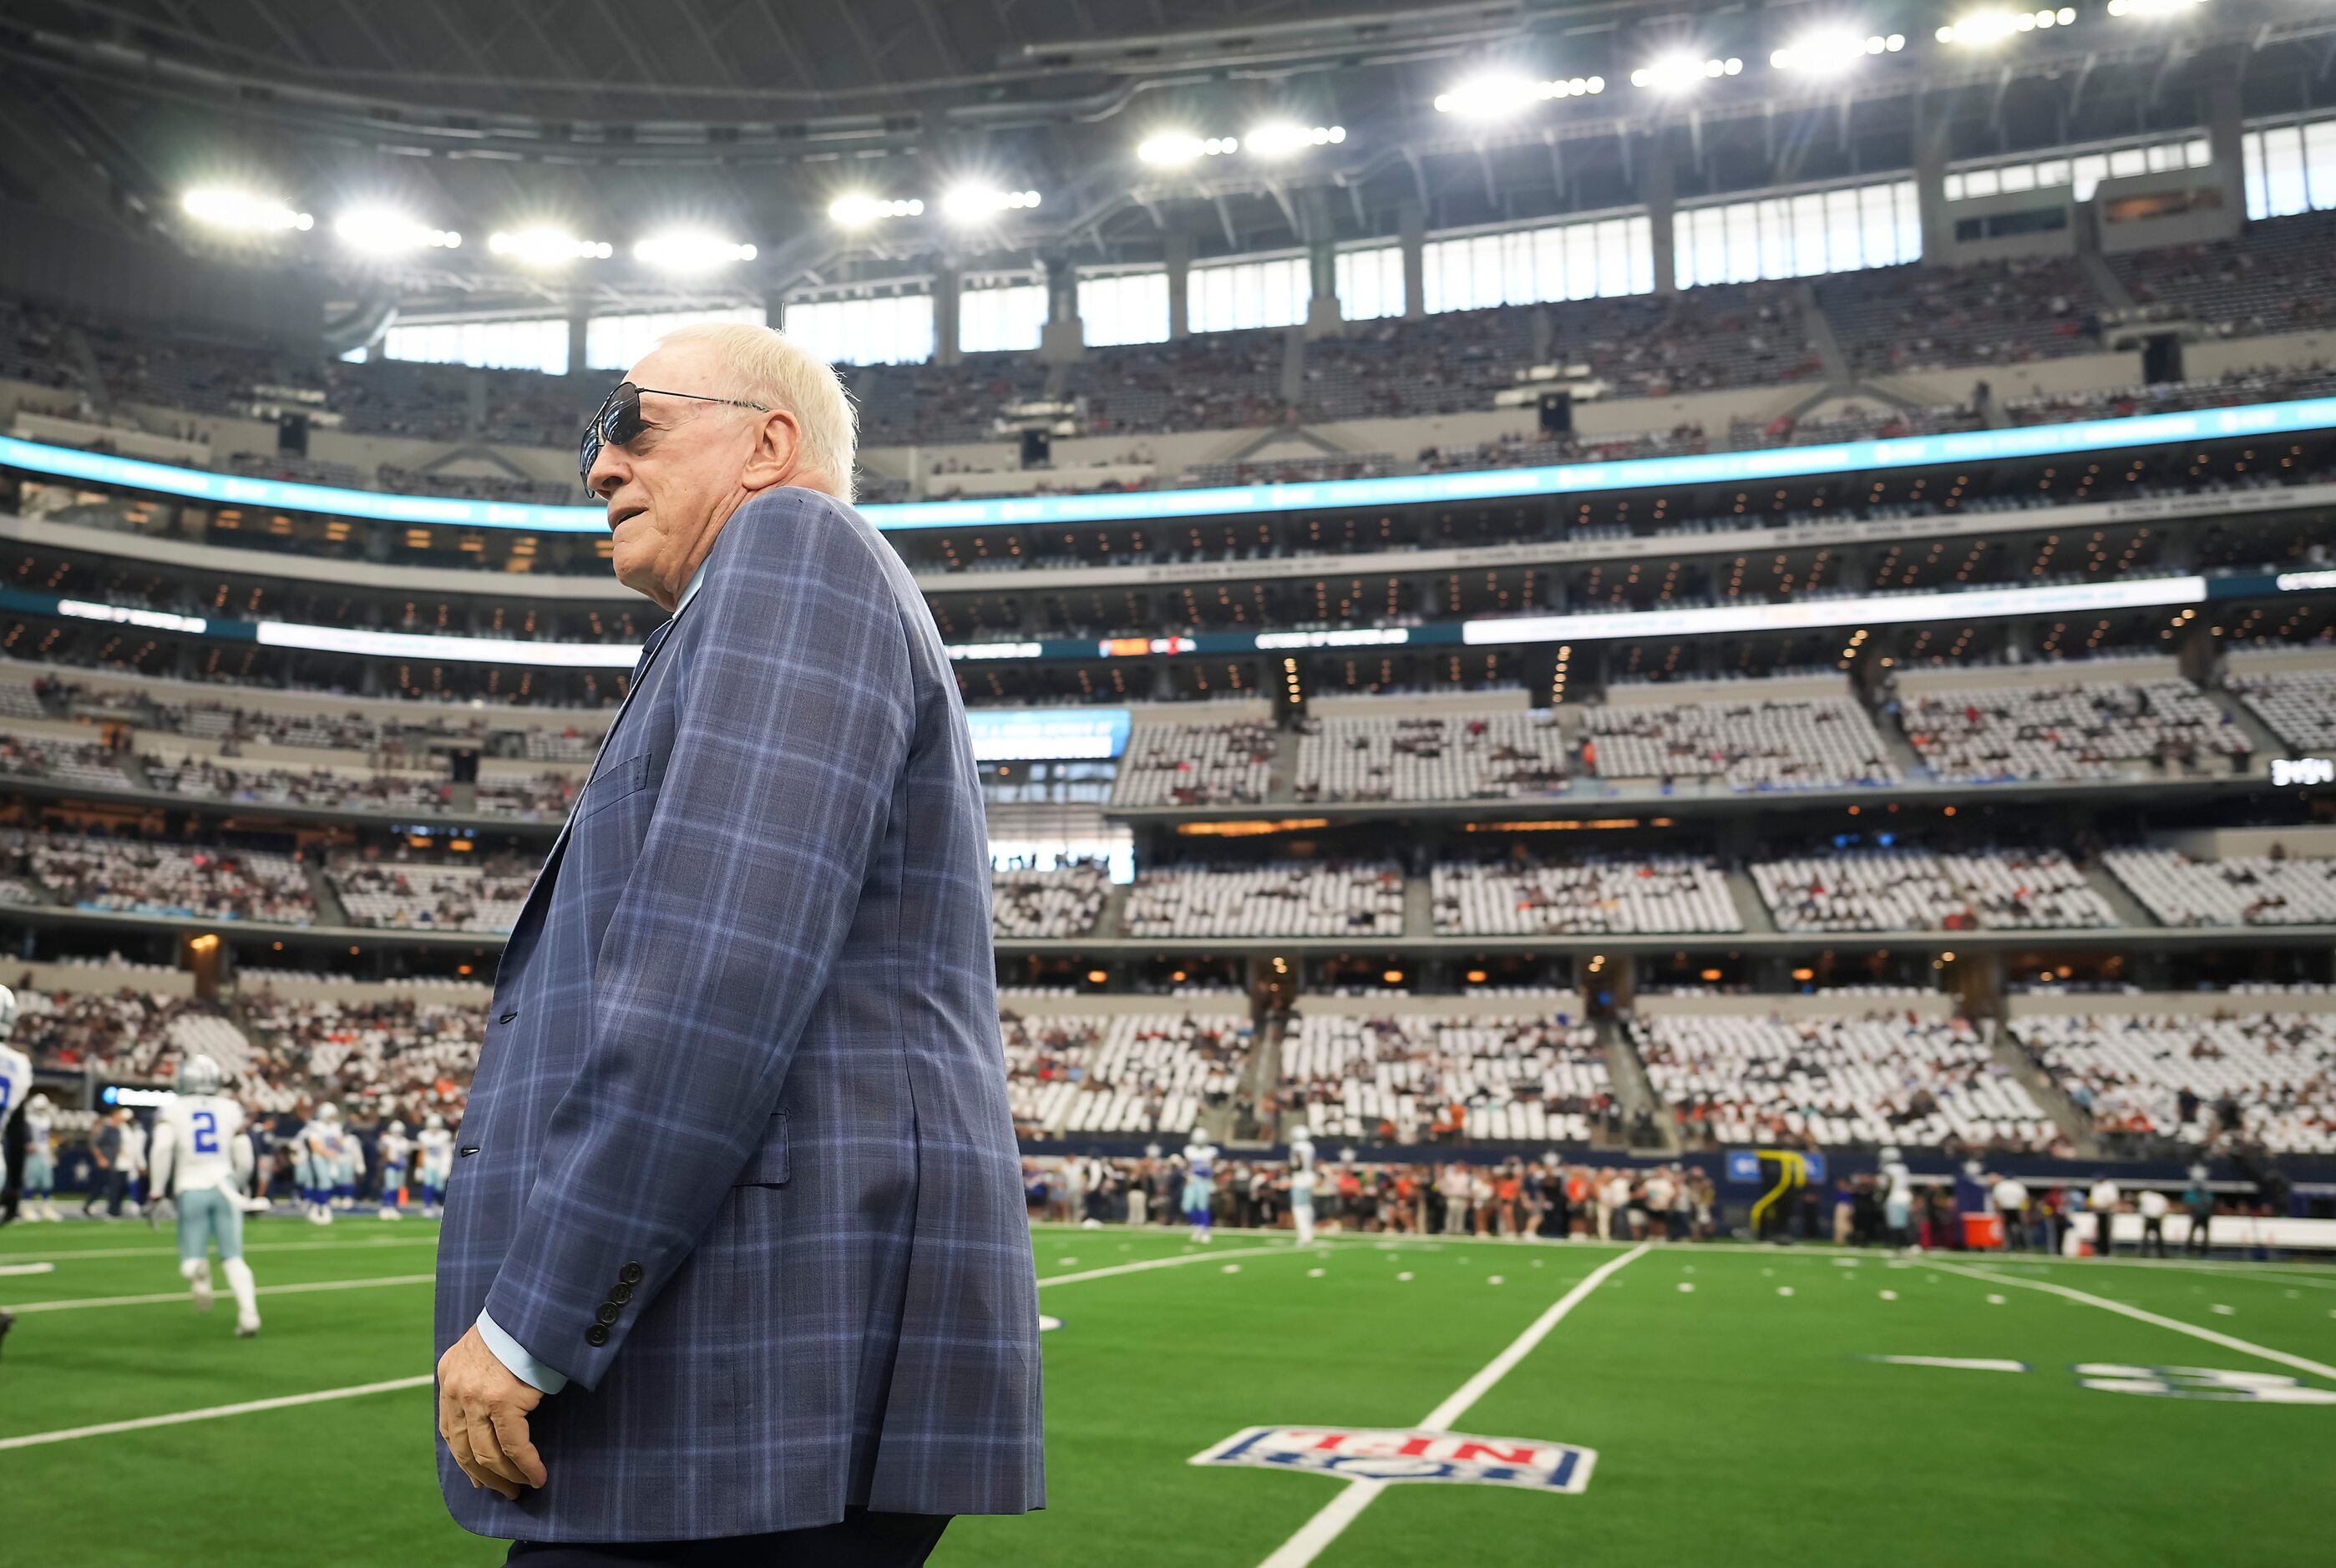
{"points": [[738, 1159]]}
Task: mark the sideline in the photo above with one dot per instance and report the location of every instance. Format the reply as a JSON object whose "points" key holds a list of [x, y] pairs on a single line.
{"points": [[35, 1439], [1343, 1509], [71, 1255], [2212, 1336], [180, 1296]]}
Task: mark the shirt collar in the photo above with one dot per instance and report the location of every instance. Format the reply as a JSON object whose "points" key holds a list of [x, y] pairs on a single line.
{"points": [[696, 581]]}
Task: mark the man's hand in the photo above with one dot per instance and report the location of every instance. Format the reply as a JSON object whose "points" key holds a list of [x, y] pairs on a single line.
{"points": [[482, 1415]]}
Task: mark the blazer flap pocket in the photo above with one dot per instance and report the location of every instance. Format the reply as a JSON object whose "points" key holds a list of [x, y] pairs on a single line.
{"points": [[769, 1166], [613, 782]]}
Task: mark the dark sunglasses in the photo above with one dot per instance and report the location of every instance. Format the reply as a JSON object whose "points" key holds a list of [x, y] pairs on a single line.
{"points": [[620, 422]]}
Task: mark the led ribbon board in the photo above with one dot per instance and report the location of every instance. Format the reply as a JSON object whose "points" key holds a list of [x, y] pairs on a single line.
{"points": [[1059, 735], [1144, 506]]}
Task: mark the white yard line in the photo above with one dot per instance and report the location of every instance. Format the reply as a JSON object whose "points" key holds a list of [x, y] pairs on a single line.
{"points": [[166, 1250], [68, 1434], [20, 1308], [1206, 1255], [1343, 1509], [2212, 1336]]}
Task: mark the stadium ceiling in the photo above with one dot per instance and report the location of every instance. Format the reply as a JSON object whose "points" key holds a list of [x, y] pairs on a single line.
{"points": [[749, 118]]}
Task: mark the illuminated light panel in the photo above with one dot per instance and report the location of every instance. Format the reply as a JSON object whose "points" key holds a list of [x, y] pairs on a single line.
{"points": [[687, 252], [548, 247], [1984, 27], [1830, 53], [855, 211], [1490, 97], [1988, 603], [2148, 10], [1684, 72], [1249, 829], [1176, 146], [2138, 431], [974, 203], [1282, 140], [379, 232], [241, 210]]}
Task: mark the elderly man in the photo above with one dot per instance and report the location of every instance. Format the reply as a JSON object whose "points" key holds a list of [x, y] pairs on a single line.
{"points": [[735, 1267]]}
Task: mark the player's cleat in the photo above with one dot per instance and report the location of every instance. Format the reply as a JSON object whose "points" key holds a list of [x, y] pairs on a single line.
{"points": [[247, 1328], [389, 1212], [7, 1322], [198, 1273]]}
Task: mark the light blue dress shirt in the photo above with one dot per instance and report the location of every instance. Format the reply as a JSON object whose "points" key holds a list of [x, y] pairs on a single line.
{"points": [[510, 1351]]}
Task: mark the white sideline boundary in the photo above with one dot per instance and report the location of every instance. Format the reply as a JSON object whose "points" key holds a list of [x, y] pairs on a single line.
{"points": [[73, 1255], [1342, 1510], [179, 1418], [1204, 1255], [20, 1308], [2212, 1336]]}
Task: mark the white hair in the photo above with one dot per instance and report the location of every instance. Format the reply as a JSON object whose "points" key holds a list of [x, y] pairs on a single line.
{"points": [[771, 368]]}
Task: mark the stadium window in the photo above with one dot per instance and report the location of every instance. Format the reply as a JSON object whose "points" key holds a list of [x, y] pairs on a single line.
{"points": [[539, 344], [617, 341], [1235, 296], [1593, 259], [1006, 316], [2290, 169], [1117, 307], [889, 329], [1800, 236], [1370, 283]]}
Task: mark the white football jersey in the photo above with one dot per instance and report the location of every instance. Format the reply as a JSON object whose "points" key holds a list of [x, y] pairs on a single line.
{"points": [[15, 1080], [437, 1146], [395, 1147], [203, 1128]]}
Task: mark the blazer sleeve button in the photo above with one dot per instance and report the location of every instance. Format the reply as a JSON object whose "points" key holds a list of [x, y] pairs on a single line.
{"points": [[620, 1293], [608, 1311], [631, 1273], [597, 1335]]}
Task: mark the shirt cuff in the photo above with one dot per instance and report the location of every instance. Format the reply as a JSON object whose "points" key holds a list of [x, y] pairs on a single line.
{"points": [[515, 1359]]}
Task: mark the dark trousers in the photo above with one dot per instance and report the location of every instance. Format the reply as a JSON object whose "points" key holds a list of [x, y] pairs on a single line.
{"points": [[2101, 1243], [116, 1188], [2198, 1240], [2152, 1238], [859, 1540]]}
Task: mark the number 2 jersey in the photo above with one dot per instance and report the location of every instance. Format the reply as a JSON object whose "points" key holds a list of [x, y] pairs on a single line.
{"points": [[202, 1129]]}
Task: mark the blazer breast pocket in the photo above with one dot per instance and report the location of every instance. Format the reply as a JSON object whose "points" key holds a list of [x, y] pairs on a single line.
{"points": [[614, 782], [769, 1166]]}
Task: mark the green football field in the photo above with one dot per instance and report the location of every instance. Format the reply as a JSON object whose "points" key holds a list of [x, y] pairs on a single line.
{"points": [[1732, 1397]]}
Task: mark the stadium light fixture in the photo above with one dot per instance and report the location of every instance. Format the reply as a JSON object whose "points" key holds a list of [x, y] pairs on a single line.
{"points": [[1831, 54], [2153, 10], [1982, 28], [1491, 97], [378, 232], [979, 203], [858, 211], [1282, 138], [548, 247], [239, 209], [1683, 73], [1176, 147], [688, 251]]}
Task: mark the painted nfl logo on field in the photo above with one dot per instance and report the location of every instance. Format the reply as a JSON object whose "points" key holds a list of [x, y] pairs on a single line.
{"points": [[1395, 1453]]}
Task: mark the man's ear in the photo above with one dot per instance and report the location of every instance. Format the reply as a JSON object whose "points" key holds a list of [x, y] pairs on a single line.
{"points": [[777, 456]]}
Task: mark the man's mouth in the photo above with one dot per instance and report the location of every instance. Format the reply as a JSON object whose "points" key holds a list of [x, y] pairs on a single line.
{"points": [[618, 517]]}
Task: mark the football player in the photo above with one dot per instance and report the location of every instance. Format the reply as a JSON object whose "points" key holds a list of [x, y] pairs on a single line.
{"points": [[15, 1092], [198, 1140], [1301, 1185], [40, 1184], [437, 1148], [1199, 1182], [320, 1141], [394, 1147]]}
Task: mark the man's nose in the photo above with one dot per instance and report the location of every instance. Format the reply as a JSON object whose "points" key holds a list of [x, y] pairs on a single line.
{"points": [[608, 473]]}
